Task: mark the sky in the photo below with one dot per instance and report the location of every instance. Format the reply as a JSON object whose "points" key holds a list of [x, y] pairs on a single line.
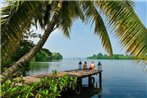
{"points": [[84, 42]]}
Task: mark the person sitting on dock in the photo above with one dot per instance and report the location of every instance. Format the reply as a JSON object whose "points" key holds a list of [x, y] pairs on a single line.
{"points": [[92, 66], [85, 65]]}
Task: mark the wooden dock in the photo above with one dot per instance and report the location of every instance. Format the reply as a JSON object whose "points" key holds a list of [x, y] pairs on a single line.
{"points": [[80, 74]]}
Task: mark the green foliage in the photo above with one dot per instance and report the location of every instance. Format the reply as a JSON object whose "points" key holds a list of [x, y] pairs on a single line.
{"points": [[100, 55], [42, 56], [56, 56], [47, 87], [45, 55], [21, 50], [54, 72], [12, 91], [114, 56]]}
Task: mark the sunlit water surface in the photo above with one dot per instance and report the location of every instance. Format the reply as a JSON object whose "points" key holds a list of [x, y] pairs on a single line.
{"points": [[121, 78]]}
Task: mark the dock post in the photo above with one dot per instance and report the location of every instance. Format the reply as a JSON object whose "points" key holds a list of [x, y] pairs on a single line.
{"points": [[80, 81], [89, 80], [100, 80]]}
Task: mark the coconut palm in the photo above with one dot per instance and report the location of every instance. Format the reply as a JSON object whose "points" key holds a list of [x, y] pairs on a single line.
{"points": [[17, 17]]}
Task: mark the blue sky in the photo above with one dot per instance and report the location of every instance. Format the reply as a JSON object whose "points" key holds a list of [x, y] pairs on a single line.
{"points": [[83, 41]]}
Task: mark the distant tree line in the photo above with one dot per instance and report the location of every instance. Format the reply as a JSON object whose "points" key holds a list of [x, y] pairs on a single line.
{"points": [[115, 56]]}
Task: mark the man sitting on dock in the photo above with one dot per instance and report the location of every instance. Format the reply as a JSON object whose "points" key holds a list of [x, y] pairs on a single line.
{"points": [[92, 66]]}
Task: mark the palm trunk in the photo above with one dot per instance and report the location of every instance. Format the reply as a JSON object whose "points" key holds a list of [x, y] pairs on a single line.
{"points": [[23, 60]]}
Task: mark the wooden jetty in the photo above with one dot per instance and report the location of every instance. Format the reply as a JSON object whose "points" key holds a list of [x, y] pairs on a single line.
{"points": [[80, 74]]}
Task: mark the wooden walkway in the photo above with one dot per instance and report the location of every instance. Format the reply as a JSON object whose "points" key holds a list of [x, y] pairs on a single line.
{"points": [[75, 73]]}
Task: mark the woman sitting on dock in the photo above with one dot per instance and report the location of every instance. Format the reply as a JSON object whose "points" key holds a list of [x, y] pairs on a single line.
{"points": [[85, 65], [92, 66]]}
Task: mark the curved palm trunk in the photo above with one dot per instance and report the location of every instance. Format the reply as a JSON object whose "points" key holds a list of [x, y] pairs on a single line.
{"points": [[8, 73]]}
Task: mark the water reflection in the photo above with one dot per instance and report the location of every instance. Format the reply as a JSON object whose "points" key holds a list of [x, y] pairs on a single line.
{"points": [[86, 92], [39, 68]]}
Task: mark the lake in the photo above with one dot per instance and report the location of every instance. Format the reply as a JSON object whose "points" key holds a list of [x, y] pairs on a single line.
{"points": [[120, 78]]}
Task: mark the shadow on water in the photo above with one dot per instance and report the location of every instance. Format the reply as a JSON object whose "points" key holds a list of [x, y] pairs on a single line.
{"points": [[38, 68], [86, 92], [38, 65]]}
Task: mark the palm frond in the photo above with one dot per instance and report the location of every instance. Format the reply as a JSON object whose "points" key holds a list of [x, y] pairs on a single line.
{"points": [[15, 19], [130, 30], [42, 17], [93, 15], [70, 11]]}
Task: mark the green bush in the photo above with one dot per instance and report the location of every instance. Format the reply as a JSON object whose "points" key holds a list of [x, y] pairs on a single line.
{"points": [[46, 88]]}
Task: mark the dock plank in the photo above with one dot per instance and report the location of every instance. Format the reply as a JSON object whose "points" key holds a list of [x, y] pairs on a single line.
{"points": [[75, 73]]}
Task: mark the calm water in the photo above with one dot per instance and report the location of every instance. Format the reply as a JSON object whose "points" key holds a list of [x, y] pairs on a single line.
{"points": [[121, 78]]}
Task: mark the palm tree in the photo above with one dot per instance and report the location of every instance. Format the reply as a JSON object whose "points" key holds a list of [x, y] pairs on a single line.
{"points": [[18, 16]]}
